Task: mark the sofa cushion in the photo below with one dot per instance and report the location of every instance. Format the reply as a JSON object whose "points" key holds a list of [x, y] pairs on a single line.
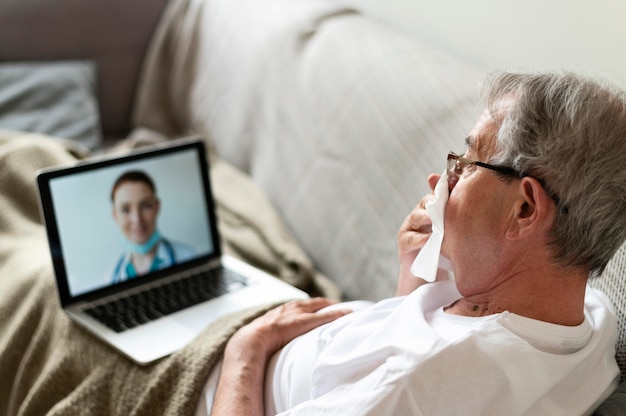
{"points": [[376, 113], [58, 99]]}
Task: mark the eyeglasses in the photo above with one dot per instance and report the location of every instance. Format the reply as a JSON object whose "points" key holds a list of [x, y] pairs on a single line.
{"points": [[457, 165]]}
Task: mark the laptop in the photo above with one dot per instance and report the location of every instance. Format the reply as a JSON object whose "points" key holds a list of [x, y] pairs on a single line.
{"points": [[138, 261]]}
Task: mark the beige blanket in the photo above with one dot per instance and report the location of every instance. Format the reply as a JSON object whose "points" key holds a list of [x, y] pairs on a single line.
{"points": [[48, 365]]}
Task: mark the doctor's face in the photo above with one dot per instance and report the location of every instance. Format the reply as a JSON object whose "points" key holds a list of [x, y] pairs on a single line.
{"points": [[135, 209]]}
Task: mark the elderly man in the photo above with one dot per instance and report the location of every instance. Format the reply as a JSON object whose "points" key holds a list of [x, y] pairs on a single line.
{"points": [[535, 208]]}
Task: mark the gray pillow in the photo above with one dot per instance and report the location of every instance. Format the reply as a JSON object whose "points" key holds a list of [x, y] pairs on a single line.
{"points": [[615, 405], [53, 98]]}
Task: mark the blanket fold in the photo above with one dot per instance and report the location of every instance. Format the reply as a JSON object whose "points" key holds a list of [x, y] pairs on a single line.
{"points": [[52, 366]]}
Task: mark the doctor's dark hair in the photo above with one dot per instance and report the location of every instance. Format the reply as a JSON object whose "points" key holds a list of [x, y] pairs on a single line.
{"points": [[132, 176], [569, 131]]}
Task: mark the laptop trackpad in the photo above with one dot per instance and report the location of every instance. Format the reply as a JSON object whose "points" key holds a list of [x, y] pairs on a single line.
{"points": [[154, 340]]}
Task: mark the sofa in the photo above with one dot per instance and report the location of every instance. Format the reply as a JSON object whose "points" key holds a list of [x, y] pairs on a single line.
{"points": [[322, 122]]}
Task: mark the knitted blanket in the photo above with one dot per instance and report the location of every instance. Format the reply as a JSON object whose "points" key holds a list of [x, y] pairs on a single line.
{"points": [[49, 365]]}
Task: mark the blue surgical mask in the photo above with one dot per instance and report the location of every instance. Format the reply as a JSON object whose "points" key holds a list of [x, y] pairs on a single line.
{"points": [[145, 247]]}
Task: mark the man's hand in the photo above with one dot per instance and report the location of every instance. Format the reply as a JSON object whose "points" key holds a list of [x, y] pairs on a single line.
{"points": [[273, 330], [413, 234], [240, 387]]}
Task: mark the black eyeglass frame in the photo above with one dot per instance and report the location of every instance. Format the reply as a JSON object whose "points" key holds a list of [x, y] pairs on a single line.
{"points": [[456, 168], [453, 166]]}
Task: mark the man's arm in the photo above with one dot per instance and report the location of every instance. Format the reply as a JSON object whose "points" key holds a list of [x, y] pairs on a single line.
{"points": [[242, 379]]}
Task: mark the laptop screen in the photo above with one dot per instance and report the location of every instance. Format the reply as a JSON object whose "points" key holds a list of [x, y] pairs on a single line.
{"points": [[117, 220]]}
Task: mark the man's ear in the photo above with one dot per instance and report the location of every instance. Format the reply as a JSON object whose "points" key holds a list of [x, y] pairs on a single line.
{"points": [[533, 210]]}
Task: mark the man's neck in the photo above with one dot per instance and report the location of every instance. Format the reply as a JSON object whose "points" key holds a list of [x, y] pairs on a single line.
{"points": [[553, 296]]}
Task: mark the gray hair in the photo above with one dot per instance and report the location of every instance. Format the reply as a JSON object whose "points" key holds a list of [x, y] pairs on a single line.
{"points": [[569, 132]]}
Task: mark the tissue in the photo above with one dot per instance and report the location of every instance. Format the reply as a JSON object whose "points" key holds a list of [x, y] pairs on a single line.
{"points": [[429, 259]]}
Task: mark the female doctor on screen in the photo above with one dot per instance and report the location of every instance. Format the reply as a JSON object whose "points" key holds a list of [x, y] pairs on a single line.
{"points": [[135, 209]]}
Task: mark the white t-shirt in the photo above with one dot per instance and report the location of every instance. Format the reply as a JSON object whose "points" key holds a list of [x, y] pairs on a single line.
{"points": [[406, 356]]}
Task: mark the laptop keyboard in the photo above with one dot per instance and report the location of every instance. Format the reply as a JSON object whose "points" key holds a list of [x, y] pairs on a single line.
{"points": [[128, 312]]}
